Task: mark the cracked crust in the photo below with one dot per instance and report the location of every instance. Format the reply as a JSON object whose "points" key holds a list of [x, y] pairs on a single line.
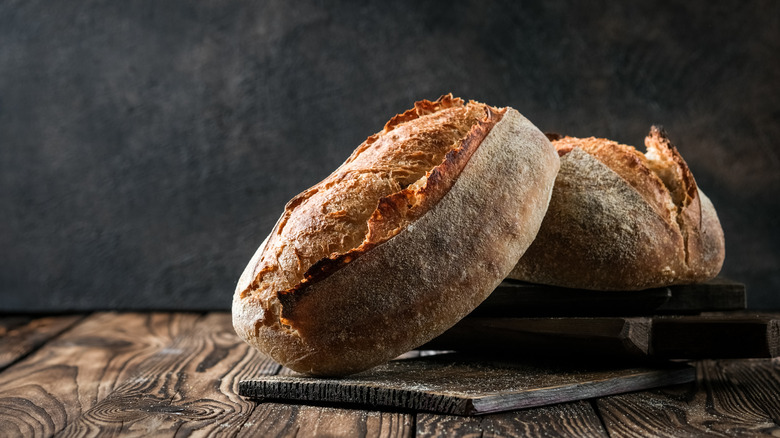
{"points": [[408, 262], [622, 220]]}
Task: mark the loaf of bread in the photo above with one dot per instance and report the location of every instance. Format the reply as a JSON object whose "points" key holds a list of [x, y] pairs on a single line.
{"points": [[620, 219], [404, 239]]}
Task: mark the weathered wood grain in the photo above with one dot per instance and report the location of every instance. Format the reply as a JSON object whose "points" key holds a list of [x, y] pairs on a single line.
{"points": [[606, 336], [759, 380], [286, 420], [577, 419], [20, 335], [49, 389], [8, 322], [188, 388], [462, 385], [177, 374], [731, 400]]}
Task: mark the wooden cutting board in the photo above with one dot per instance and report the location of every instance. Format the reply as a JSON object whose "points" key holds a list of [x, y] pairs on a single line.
{"points": [[462, 385]]}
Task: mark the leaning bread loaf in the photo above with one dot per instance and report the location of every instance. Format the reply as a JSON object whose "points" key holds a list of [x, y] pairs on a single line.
{"points": [[620, 219], [404, 239]]}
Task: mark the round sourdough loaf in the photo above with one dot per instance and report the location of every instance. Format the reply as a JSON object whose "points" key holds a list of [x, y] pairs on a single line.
{"points": [[620, 219], [404, 239]]}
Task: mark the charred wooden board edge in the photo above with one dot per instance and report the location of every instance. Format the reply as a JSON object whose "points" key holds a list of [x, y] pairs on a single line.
{"points": [[514, 298], [582, 391], [352, 394], [289, 389]]}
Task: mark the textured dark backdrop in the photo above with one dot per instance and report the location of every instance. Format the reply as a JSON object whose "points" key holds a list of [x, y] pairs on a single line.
{"points": [[148, 147]]}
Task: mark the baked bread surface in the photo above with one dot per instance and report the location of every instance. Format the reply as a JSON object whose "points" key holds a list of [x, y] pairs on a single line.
{"points": [[622, 220], [409, 235]]}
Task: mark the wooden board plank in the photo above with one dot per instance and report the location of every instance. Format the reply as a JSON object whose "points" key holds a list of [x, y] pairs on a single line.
{"points": [[718, 294], [21, 335], [702, 337], [47, 390], [188, 387], [456, 384], [548, 336], [742, 335], [518, 299], [285, 420], [721, 407], [576, 419]]}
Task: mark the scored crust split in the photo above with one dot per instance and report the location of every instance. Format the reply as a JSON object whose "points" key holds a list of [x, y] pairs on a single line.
{"points": [[404, 239], [620, 219]]}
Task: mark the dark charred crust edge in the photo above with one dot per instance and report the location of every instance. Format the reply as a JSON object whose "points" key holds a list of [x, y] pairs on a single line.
{"points": [[658, 133], [400, 206], [422, 108], [689, 208]]}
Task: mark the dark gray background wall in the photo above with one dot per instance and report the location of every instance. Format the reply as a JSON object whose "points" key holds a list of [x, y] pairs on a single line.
{"points": [[148, 147]]}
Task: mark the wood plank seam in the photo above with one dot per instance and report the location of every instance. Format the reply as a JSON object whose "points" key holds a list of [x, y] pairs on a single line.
{"points": [[37, 346], [594, 405]]}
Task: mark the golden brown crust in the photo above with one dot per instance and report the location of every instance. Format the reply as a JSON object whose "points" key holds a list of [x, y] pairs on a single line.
{"points": [[397, 210], [424, 265], [328, 225], [630, 164], [620, 219]]}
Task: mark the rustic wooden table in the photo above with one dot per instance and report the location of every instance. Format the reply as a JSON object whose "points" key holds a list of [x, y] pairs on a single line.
{"points": [[175, 374]]}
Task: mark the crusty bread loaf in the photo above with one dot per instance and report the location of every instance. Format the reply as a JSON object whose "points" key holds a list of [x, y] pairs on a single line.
{"points": [[620, 219], [405, 238]]}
